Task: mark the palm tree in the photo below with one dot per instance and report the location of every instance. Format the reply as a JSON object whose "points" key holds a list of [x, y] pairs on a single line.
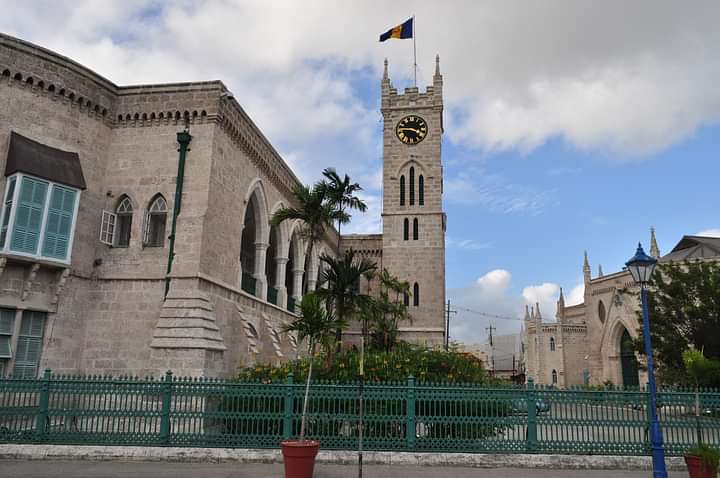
{"points": [[316, 211], [342, 276], [389, 310], [341, 192], [316, 324]]}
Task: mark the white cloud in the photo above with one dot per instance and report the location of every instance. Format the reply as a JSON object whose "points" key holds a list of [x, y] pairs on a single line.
{"points": [[633, 77], [368, 222], [576, 295], [545, 295], [710, 232], [492, 295]]}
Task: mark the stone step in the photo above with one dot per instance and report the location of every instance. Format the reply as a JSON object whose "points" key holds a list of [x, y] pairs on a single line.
{"points": [[186, 343], [186, 323]]}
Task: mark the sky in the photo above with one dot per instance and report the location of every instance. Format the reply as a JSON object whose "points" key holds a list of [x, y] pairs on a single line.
{"points": [[569, 126]]}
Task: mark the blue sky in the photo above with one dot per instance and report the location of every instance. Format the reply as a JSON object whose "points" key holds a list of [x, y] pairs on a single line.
{"points": [[569, 126]]}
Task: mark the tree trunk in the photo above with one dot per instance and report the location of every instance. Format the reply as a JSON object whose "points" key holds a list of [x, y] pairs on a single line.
{"points": [[308, 254], [307, 393]]}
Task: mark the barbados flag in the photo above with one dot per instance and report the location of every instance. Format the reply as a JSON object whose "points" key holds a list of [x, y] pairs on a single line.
{"points": [[401, 31]]}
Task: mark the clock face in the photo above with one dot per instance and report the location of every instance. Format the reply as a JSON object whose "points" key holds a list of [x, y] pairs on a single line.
{"points": [[411, 129]]}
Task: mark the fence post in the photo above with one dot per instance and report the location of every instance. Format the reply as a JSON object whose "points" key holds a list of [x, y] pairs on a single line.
{"points": [[532, 417], [165, 412], [410, 414], [41, 421], [288, 414]]}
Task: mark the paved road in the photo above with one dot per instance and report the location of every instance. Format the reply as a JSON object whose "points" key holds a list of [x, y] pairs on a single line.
{"points": [[84, 469]]}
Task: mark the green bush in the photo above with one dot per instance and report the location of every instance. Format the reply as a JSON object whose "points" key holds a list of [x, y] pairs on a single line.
{"points": [[422, 363]]}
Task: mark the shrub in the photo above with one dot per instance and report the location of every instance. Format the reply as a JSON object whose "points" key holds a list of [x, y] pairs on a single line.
{"points": [[422, 363]]}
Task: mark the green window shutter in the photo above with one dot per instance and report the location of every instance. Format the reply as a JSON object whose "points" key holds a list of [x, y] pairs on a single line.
{"points": [[7, 320], [29, 344], [59, 223], [28, 219], [5, 351]]}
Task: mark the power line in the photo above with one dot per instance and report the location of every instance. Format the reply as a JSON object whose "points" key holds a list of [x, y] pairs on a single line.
{"points": [[485, 314]]}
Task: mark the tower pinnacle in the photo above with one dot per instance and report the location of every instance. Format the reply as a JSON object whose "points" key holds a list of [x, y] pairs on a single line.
{"points": [[560, 305], [437, 65], [385, 71], [654, 249], [586, 268]]}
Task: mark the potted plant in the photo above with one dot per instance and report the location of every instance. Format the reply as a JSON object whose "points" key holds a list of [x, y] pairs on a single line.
{"points": [[702, 461], [316, 324]]}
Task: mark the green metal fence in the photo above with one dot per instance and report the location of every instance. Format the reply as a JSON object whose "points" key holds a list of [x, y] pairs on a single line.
{"points": [[403, 416]]}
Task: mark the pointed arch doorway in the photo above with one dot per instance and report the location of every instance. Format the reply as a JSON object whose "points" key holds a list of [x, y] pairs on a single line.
{"points": [[628, 361]]}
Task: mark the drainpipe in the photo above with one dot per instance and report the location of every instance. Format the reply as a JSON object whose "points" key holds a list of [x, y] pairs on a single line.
{"points": [[183, 138]]}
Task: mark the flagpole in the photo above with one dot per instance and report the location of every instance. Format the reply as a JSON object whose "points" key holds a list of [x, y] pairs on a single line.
{"points": [[414, 51]]}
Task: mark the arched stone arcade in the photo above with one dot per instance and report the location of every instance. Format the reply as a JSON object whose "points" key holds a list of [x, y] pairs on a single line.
{"points": [[272, 257], [254, 242]]}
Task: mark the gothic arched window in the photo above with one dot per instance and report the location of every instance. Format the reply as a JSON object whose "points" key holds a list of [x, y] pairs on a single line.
{"points": [[421, 190], [155, 221], [416, 294], [552, 344], [554, 377], [412, 185], [406, 229], [402, 190], [406, 299], [124, 212], [415, 229]]}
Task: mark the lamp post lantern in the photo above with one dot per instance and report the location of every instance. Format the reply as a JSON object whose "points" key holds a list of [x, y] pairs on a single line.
{"points": [[641, 267]]}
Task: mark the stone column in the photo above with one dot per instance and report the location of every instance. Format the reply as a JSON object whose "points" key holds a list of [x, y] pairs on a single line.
{"points": [[297, 284], [239, 259], [281, 264], [312, 277], [259, 273]]}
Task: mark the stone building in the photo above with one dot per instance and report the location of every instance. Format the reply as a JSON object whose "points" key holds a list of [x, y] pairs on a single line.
{"points": [[103, 271], [591, 342]]}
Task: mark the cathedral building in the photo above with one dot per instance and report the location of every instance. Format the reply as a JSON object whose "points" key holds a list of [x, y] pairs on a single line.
{"points": [[135, 234], [592, 342]]}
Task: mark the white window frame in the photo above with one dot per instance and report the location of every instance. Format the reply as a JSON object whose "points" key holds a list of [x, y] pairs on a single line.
{"points": [[41, 238], [146, 222], [107, 237]]}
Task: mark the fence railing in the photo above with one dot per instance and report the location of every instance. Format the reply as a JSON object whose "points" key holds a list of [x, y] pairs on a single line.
{"points": [[402, 416]]}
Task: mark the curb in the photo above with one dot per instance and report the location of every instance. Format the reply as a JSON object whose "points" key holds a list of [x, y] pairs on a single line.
{"points": [[240, 455]]}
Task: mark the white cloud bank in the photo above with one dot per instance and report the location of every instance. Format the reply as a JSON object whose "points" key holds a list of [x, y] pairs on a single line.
{"points": [[632, 76], [710, 232], [492, 294]]}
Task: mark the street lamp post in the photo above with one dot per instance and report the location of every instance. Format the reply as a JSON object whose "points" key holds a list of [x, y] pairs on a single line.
{"points": [[641, 266]]}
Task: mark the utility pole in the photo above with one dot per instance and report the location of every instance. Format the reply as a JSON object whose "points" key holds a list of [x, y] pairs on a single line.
{"points": [[447, 325], [492, 347]]}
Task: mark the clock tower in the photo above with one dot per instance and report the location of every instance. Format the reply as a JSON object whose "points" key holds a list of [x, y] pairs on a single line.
{"points": [[413, 237]]}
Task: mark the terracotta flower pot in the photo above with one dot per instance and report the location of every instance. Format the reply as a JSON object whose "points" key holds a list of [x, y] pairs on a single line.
{"points": [[299, 457], [696, 468]]}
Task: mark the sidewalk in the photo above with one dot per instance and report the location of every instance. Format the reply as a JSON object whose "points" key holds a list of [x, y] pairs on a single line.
{"points": [[119, 469]]}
